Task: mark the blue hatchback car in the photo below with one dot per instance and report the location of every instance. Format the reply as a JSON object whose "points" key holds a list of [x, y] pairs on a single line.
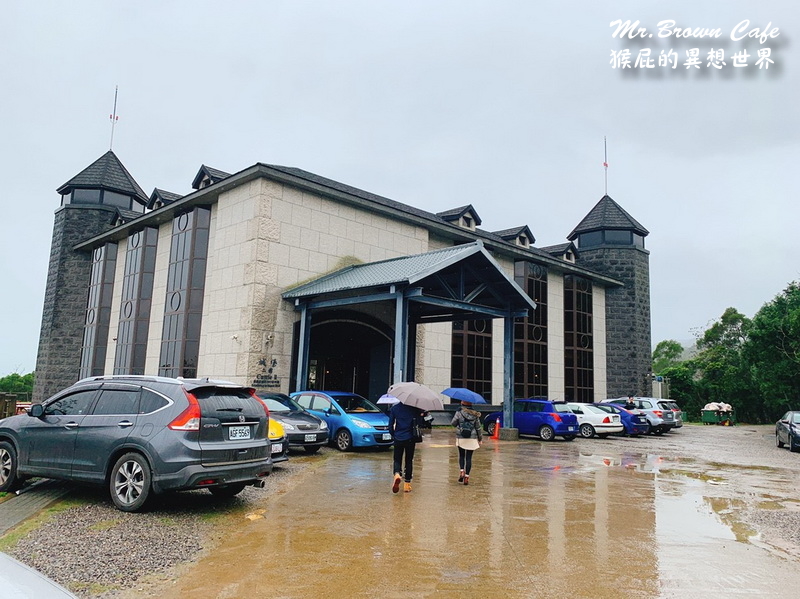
{"points": [[540, 417], [634, 422], [353, 421]]}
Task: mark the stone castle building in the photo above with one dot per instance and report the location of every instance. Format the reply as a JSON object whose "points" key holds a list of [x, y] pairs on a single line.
{"points": [[281, 279]]}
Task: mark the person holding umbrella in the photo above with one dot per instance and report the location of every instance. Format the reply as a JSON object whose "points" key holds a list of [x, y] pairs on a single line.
{"points": [[468, 438], [413, 400]]}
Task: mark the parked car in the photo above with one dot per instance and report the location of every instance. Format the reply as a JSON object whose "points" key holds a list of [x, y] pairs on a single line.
{"points": [[277, 439], [353, 421], [141, 435], [303, 429], [633, 421], [541, 417], [20, 581], [594, 421], [787, 431], [659, 420], [668, 404]]}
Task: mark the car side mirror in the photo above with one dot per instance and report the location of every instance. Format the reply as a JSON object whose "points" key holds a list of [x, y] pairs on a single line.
{"points": [[36, 411]]}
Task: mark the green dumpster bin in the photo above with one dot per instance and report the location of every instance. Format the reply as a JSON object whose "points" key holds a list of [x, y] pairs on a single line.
{"points": [[724, 418]]}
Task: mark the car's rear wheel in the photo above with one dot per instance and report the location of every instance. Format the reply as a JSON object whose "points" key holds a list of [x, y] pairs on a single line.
{"points": [[547, 433], [227, 490], [587, 430], [130, 482], [9, 480], [311, 448], [344, 440], [778, 441]]}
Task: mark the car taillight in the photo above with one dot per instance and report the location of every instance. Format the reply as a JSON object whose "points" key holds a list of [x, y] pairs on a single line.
{"points": [[556, 417], [189, 419], [261, 401], [606, 420], [658, 413]]}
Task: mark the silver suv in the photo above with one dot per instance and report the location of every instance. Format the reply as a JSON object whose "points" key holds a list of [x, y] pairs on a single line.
{"points": [[659, 420], [141, 435]]}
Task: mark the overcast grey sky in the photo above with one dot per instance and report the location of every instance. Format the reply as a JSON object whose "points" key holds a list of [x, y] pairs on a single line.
{"points": [[437, 104]]}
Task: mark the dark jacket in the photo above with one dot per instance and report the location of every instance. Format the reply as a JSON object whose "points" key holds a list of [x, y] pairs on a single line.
{"points": [[401, 421]]}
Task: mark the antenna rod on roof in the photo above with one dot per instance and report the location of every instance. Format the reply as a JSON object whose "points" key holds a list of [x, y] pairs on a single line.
{"points": [[605, 161], [114, 118]]}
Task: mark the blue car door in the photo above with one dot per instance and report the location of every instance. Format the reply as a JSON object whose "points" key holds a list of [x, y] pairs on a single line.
{"points": [[523, 419]]}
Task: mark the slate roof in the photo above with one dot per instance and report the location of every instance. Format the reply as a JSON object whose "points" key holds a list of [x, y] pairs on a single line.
{"points": [[512, 234], [560, 249], [166, 197], [214, 174], [456, 213], [122, 216], [107, 172], [360, 193], [607, 214]]}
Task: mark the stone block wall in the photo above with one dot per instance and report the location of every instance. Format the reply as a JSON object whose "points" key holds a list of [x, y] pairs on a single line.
{"points": [[61, 338], [628, 336]]}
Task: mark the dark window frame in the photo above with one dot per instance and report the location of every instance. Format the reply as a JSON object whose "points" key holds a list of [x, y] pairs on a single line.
{"points": [[471, 356], [98, 311], [530, 334], [578, 340]]}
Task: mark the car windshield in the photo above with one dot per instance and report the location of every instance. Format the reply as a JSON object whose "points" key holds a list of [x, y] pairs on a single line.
{"points": [[282, 403], [355, 404], [796, 418], [609, 408], [275, 406]]}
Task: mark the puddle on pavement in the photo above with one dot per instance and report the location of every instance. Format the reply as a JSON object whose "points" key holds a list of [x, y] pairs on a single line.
{"points": [[537, 519]]}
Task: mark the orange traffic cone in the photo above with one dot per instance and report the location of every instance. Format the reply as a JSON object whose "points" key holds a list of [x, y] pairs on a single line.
{"points": [[496, 432]]}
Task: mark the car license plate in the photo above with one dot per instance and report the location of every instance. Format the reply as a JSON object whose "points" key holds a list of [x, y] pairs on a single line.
{"points": [[277, 447], [387, 436], [239, 432], [311, 438]]}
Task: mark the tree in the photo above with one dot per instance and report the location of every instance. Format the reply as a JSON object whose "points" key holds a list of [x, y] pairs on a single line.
{"points": [[773, 350], [17, 383], [667, 353], [724, 375]]}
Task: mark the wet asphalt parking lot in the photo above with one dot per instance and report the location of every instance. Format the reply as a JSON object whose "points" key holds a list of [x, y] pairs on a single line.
{"points": [[702, 511]]}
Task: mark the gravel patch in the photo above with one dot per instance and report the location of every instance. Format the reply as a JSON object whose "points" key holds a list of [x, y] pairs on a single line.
{"points": [[98, 551]]}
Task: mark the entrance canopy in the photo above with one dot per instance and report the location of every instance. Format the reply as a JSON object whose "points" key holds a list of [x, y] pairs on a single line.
{"points": [[455, 283], [462, 282]]}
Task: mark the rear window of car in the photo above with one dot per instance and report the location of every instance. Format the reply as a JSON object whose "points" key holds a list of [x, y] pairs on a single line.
{"points": [[213, 399], [562, 407]]}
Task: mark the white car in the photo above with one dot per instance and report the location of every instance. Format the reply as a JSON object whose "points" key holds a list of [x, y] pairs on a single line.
{"points": [[594, 421]]}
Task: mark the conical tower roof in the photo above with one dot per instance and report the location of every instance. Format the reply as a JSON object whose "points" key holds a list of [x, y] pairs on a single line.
{"points": [[107, 172], [607, 214]]}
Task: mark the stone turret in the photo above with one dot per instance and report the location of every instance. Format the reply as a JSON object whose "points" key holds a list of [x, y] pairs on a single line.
{"points": [[611, 241], [89, 203]]}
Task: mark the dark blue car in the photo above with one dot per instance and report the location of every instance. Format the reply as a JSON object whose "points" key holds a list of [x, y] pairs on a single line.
{"points": [[541, 417], [633, 421]]}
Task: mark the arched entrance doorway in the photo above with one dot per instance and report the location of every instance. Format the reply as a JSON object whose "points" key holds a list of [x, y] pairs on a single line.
{"points": [[349, 353]]}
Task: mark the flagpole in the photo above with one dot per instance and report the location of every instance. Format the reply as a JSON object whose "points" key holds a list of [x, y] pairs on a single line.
{"points": [[114, 118], [605, 161]]}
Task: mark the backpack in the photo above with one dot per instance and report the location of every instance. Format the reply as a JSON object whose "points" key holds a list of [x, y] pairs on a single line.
{"points": [[466, 428]]}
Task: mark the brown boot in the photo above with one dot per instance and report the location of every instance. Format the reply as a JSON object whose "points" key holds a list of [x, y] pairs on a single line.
{"points": [[407, 488], [396, 483], [466, 479]]}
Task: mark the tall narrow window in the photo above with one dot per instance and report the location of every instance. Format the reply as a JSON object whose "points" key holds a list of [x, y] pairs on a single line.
{"points": [[471, 364], [183, 311], [530, 334], [98, 311], [578, 342], [137, 296]]}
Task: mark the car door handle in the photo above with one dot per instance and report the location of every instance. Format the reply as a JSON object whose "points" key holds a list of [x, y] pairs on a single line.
{"points": [[125, 424], [71, 425]]}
